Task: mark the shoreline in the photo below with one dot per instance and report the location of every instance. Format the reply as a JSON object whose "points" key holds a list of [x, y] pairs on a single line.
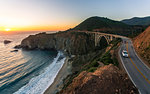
{"points": [[57, 85]]}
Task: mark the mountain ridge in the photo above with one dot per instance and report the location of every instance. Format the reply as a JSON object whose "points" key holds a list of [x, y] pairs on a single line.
{"points": [[96, 22], [106, 25], [137, 21]]}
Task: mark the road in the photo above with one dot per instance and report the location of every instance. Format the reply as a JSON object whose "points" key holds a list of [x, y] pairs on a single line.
{"points": [[138, 72]]}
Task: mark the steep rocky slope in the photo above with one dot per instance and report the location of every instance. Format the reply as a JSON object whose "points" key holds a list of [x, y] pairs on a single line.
{"points": [[69, 42], [105, 80], [142, 44]]}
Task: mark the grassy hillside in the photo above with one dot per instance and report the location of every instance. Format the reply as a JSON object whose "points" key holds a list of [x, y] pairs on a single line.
{"points": [[105, 25], [100, 22]]}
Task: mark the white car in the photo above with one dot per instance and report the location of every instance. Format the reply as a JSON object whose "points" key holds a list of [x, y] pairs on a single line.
{"points": [[124, 53]]}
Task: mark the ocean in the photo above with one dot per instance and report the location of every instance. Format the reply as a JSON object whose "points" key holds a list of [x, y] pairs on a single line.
{"points": [[26, 72]]}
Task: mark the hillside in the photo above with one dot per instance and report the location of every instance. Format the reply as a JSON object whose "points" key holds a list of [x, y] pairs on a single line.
{"points": [[100, 22], [142, 44], [106, 25], [137, 21], [105, 80]]}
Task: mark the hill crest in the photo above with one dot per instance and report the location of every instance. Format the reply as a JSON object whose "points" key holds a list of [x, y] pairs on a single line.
{"points": [[96, 22], [137, 21]]}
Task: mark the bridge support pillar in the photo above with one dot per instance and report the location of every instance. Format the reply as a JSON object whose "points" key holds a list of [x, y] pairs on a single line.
{"points": [[111, 38]]}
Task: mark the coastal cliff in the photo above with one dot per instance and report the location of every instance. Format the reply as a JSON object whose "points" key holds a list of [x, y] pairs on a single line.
{"points": [[70, 42]]}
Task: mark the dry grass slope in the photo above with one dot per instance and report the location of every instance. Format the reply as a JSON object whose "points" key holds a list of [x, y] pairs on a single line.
{"points": [[142, 44]]}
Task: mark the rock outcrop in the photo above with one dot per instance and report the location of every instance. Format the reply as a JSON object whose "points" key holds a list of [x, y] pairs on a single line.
{"points": [[70, 42], [105, 80], [7, 41], [142, 44]]}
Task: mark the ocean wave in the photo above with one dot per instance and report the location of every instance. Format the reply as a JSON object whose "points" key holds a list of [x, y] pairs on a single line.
{"points": [[39, 84]]}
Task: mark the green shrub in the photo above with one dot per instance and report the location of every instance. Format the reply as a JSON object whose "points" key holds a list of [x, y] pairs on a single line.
{"points": [[92, 69], [106, 59], [115, 61], [148, 48], [94, 64], [90, 65]]}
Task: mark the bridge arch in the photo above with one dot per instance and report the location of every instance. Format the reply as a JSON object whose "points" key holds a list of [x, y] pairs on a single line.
{"points": [[98, 37]]}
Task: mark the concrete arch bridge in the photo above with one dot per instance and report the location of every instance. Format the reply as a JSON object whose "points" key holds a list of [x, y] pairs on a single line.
{"points": [[98, 36]]}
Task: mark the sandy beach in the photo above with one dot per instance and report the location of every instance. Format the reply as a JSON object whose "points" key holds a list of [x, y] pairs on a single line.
{"points": [[58, 82]]}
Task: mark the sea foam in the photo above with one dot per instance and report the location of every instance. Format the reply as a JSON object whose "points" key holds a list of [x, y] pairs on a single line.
{"points": [[39, 84]]}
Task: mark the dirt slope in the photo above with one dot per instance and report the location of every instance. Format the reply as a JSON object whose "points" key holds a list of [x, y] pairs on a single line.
{"points": [[105, 80]]}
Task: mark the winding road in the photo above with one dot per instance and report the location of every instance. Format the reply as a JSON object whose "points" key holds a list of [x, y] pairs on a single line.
{"points": [[138, 72]]}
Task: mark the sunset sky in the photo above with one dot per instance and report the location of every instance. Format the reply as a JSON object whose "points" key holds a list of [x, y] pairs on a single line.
{"points": [[53, 15]]}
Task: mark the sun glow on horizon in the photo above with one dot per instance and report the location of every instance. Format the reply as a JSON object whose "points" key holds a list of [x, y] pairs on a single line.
{"points": [[7, 29], [12, 29]]}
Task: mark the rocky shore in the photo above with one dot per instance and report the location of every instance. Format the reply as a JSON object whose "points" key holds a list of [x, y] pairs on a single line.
{"points": [[7, 41]]}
